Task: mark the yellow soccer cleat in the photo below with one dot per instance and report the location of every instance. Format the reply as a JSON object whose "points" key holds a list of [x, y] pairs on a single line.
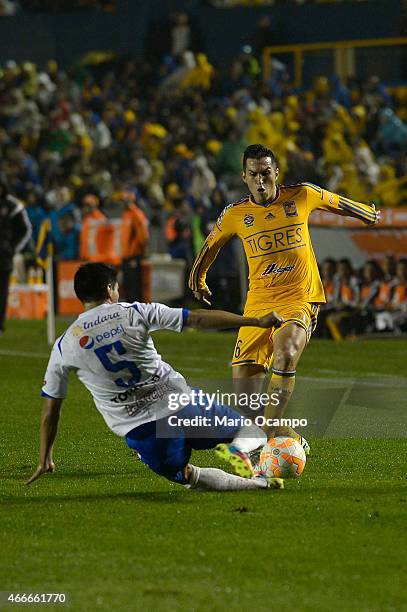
{"points": [[275, 483], [272, 483], [238, 461]]}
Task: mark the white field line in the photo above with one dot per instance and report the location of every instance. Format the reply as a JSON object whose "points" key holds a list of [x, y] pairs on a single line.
{"points": [[398, 382], [387, 382], [8, 353], [325, 371]]}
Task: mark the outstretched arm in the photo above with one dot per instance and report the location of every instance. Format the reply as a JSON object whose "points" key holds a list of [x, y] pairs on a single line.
{"points": [[48, 432], [325, 200], [220, 319]]}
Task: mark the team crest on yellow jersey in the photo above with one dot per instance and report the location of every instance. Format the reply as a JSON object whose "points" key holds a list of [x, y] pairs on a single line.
{"points": [[248, 220], [290, 208]]}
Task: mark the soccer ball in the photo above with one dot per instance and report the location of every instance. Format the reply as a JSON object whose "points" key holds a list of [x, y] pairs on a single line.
{"points": [[282, 458]]}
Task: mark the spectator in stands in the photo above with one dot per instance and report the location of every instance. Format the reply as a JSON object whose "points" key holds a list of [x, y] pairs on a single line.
{"points": [[368, 297], [15, 232], [178, 231], [398, 302], [390, 190], [90, 212], [265, 35], [369, 285], [229, 160], [346, 299], [392, 133], [184, 36], [383, 318], [65, 223], [66, 237], [389, 268], [35, 211], [328, 270], [134, 241]]}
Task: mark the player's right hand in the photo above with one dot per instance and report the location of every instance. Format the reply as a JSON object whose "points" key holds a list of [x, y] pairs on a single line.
{"points": [[272, 319], [49, 466], [203, 295]]}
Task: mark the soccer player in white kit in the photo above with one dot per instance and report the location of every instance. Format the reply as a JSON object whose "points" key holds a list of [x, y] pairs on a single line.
{"points": [[110, 348]]}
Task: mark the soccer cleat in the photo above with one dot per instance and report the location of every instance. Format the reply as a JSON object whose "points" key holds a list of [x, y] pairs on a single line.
{"points": [[305, 446], [275, 483], [272, 483], [254, 456], [239, 461]]}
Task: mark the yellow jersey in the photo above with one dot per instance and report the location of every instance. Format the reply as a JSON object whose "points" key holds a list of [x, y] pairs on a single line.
{"points": [[276, 240]]}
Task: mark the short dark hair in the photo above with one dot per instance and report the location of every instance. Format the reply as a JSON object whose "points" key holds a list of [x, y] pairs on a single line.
{"points": [[257, 151], [91, 281]]}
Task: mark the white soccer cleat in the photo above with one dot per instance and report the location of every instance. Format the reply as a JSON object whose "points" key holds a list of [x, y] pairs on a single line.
{"points": [[305, 446]]}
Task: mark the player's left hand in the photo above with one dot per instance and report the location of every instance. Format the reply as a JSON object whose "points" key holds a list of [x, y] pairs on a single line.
{"points": [[49, 466], [272, 319], [378, 215]]}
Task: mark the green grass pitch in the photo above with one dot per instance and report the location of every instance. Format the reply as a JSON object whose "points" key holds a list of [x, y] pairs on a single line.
{"points": [[113, 536]]}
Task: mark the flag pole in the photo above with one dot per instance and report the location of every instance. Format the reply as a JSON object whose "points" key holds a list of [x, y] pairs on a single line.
{"points": [[49, 275]]}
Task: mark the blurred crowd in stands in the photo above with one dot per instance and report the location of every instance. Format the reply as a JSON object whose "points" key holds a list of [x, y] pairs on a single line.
{"points": [[163, 139], [12, 7], [233, 3], [372, 299]]}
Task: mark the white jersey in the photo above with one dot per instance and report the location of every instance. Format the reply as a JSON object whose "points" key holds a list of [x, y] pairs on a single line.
{"points": [[110, 349]]}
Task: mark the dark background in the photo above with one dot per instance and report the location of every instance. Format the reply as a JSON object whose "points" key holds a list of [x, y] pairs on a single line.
{"points": [[67, 36]]}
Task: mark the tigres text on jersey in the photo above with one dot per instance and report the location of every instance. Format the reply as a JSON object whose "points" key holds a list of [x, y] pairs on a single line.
{"points": [[276, 240]]}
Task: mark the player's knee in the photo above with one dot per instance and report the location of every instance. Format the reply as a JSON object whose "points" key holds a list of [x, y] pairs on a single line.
{"points": [[285, 358]]}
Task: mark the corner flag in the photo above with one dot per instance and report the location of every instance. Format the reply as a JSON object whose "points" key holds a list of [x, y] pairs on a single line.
{"points": [[43, 248], [44, 257]]}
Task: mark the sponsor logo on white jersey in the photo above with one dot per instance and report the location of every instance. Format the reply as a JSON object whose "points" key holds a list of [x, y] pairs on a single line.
{"points": [[124, 395], [100, 319], [87, 342]]}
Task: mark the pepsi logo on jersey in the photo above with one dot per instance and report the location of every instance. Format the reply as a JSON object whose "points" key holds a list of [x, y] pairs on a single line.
{"points": [[87, 342], [110, 333]]}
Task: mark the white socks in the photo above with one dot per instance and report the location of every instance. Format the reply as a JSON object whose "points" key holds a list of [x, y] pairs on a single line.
{"points": [[213, 479], [249, 438]]}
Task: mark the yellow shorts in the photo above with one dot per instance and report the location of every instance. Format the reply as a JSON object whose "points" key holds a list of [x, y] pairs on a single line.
{"points": [[255, 345]]}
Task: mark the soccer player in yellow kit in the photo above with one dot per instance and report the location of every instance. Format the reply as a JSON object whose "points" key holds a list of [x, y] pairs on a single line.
{"points": [[272, 223]]}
